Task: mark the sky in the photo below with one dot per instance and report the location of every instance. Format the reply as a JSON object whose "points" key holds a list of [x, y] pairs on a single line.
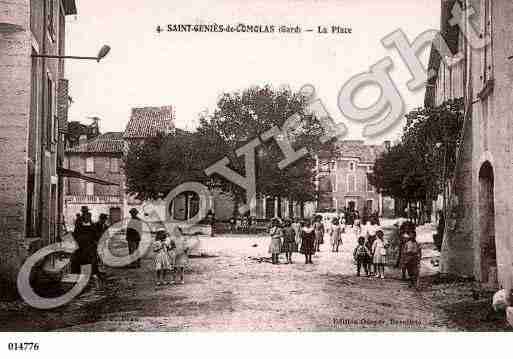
{"points": [[191, 70]]}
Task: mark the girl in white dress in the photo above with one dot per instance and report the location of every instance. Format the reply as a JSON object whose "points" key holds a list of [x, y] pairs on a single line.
{"points": [[276, 240], [379, 254], [162, 262], [297, 229], [179, 254]]}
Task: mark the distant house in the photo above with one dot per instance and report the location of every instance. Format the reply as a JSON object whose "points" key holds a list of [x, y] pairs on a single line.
{"points": [[343, 181], [99, 158], [102, 158]]}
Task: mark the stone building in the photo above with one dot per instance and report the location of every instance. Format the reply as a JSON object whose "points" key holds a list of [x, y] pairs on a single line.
{"points": [[33, 116], [477, 241], [100, 158], [343, 181]]}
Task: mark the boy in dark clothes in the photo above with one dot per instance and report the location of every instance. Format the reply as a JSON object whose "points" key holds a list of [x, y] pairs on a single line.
{"points": [[361, 256]]}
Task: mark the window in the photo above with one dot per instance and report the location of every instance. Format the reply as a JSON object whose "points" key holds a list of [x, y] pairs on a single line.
{"points": [[89, 189], [334, 179], [50, 10], [33, 226], [487, 32], [49, 113], [368, 186], [352, 166], [114, 165], [90, 164], [351, 183], [369, 205]]}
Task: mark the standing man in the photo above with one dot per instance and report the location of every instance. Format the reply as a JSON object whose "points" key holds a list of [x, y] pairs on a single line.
{"points": [[85, 235], [133, 236], [84, 211]]}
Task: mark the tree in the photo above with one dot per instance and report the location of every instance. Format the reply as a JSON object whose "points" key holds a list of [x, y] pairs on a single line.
{"points": [[155, 167], [243, 116], [77, 129], [416, 168]]}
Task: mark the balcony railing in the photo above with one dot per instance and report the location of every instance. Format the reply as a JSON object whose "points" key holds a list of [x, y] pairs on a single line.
{"points": [[94, 199]]}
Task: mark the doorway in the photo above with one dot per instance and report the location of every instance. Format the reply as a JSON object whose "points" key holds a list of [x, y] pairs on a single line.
{"points": [[115, 215], [487, 224]]}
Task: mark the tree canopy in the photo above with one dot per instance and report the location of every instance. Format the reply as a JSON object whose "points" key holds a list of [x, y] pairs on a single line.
{"points": [[414, 169]]}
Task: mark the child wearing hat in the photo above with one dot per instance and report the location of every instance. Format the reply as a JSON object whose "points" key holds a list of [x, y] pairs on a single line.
{"points": [[361, 256]]}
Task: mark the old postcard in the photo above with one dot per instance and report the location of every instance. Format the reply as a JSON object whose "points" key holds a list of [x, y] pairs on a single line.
{"points": [[266, 166]]}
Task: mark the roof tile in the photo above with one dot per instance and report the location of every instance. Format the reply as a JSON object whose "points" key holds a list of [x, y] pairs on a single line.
{"points": [[149, 122], [110, 142], [358, 149]]}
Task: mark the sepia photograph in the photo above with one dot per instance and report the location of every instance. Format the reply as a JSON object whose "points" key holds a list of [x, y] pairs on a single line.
{"points": [[286, 166]]}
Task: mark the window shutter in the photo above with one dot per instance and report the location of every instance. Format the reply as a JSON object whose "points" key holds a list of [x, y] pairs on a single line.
{"points": [[62, 105]]}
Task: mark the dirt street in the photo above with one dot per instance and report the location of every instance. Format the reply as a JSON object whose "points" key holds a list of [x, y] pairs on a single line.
{"points": [[233, 287]]}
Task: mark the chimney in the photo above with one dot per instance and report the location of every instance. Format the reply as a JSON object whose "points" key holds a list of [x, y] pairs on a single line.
{"points": [[82, 139]]}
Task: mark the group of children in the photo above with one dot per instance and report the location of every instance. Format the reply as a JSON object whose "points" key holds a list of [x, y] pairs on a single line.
{"points": [[293, 236], [371, 255], [171, 257]]}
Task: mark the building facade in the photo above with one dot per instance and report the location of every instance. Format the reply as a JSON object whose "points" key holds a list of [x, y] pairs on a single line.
{"points": [[477, 240], [343, 181], [100, 158], [33, 115]]}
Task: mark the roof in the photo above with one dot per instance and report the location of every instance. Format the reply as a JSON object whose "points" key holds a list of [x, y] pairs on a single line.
{"points": [[358, 149], [148, 122], [110, 142]]}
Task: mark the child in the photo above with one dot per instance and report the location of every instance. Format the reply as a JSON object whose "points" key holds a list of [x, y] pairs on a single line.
{"points": [[336, 235], [319, 231], [413, 255], [275, 246], [289, 241], [179, 255], [232, 225], [162, 262], [296, 226], [369, 243], [379, 254], [308, 241], [361, 255]]}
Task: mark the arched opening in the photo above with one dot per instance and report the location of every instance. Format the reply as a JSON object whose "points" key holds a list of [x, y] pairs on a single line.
{"points": [[487, 224]]}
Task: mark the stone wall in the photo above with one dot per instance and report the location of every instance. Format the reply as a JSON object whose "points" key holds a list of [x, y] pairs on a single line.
{"points": [[493, 136], [15, 68], [23, 132]]}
